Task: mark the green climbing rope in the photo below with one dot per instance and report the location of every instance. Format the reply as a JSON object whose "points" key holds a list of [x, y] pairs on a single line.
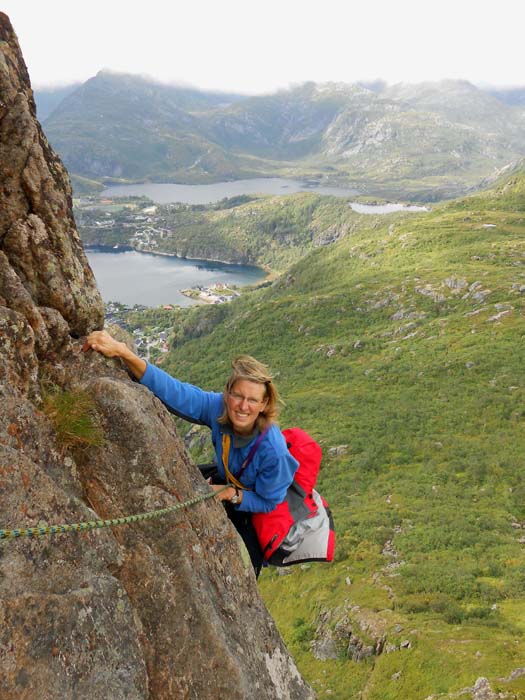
{"points": [[98, 524]]}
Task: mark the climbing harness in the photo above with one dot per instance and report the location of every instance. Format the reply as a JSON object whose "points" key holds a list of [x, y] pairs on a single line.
{"points": [[98, 524]]}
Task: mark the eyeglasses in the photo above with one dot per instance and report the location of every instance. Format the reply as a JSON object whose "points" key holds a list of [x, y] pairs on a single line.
{"points": [[249, 400]]}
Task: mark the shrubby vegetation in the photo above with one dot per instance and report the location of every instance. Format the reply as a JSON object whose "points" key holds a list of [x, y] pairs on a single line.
{"points": [[399, 348], [73, 416]]}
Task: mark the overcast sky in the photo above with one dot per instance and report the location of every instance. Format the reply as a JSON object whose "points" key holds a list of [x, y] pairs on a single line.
{"points": [[252, 46]]}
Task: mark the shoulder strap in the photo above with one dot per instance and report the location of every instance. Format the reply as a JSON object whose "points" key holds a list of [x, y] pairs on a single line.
{"points": [[226, 443], [225, 453]]}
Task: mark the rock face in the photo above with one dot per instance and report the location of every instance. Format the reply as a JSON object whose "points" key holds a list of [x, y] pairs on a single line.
{"points": [[163, 610], [43, 269]]}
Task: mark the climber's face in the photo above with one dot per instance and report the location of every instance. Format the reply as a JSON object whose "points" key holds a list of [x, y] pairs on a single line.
{"points": [[244, 402]]}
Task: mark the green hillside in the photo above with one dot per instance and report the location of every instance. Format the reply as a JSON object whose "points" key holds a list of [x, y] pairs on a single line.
{"points": [[399, 347], [272, 232]]}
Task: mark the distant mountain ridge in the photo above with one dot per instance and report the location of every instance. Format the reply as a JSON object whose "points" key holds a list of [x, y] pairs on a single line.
{"points": [[426, 140], [47, 99], [511, 96]]}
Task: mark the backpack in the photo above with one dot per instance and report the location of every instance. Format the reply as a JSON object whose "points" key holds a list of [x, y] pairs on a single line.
{"points": [[300, 528]]}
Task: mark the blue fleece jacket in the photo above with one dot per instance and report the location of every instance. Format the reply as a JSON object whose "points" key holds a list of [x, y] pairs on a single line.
{"points": [[272, 468]]}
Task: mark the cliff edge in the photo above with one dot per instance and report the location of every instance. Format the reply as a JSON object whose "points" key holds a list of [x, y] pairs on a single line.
{"points": [[160, 610]]}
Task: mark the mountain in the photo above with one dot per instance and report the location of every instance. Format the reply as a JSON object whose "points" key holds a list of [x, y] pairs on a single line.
{"points": [[47, 99], [456, 100], [511, 96], [399, 348], [447, 133], [162, 609], [287, 125], [126, 126], [425, 141]]}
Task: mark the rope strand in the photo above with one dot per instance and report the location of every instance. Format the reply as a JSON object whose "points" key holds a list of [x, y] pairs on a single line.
{"points": [[99, 524]]}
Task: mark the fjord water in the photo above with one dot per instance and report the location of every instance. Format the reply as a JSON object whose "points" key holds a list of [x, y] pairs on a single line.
{"points": [[152, 280], [162, 193], [133, 277]]}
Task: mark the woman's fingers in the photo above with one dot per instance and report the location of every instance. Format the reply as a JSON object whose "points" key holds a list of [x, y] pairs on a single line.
{"points": [[102, 342]]}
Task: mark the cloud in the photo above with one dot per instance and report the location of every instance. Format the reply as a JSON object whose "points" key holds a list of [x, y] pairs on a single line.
{"points": [[224, 46]]}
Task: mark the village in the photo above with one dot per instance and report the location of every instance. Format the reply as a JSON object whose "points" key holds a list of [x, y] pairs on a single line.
{"points": [[130, 222], [151, 341], [218, 293], [151, 327]]}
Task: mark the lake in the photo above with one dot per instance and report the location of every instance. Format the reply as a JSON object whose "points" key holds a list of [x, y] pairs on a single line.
{"points": [[153, 280], [385, 208], [163, 193]]}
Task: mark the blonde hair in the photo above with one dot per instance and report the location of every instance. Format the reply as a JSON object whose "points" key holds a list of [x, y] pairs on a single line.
{"points": [[247, 367]]}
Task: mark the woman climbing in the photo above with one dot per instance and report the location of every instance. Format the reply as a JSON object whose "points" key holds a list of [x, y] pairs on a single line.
{"points": [[251, 451]]}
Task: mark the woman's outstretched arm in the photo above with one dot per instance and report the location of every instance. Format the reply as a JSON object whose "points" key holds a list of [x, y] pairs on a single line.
{"points": [[103, 342]]}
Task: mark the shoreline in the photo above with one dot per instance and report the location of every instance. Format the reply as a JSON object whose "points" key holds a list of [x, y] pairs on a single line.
{"points": [[269, 273]]}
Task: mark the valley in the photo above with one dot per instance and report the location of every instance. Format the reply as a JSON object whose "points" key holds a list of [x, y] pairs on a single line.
{"points": [[397, 346], [395, 340], [268, 231]]}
